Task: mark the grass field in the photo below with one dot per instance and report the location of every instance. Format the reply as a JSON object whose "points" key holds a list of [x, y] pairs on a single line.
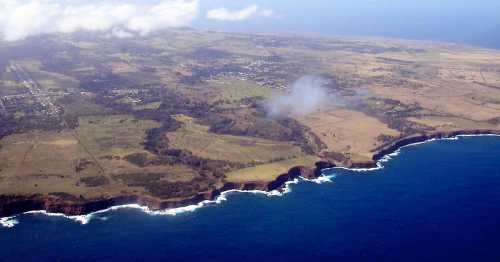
{"points": [[197, 139], [450, 123], [46, 162], [116, 135], [42, 162], [347, 131], [268, 172], [230, 90]]}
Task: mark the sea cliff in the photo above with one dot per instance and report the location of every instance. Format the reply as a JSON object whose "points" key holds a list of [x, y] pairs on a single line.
{"points": [[13, 205]]}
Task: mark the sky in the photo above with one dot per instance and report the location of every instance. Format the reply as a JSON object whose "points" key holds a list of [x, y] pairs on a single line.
{"points": [[463, 21]]}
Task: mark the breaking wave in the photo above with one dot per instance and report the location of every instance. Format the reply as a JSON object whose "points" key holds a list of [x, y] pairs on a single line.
{"points": [[9, 222]]}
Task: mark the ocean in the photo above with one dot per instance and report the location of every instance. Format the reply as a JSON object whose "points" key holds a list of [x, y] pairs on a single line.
{"points": [[435, 201], [458, 21]]}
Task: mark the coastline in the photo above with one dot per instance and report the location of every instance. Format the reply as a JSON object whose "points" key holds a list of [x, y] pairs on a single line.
{"points": [[83, 212], [390, 148]]}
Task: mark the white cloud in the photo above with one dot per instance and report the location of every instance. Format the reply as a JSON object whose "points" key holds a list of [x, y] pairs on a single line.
{"points": [[238, 15], [22, 18], [120, 33]]}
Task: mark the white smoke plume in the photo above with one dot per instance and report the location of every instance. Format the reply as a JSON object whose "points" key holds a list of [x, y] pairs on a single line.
{"points": [[22, 18], [307, 95]]}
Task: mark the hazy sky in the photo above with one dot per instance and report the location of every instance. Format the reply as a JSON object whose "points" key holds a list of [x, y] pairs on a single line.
{"points": [[468, 21], [471, 21]]}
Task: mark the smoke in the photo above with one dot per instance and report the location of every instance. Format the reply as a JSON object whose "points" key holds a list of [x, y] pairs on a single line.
{"points": [[22, 18], [307, 95]]}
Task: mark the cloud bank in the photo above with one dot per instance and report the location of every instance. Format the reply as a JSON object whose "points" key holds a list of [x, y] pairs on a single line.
{"points": [[22, 18], [307, 95], [224, 14]]}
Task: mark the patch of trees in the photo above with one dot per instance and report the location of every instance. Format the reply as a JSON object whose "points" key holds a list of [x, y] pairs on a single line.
{"points": [[95, 181], [156, 186], [257, 124], [205, 167], [156, 140], [82, 165], [247, 123], [198, 74], [64, 65], [138, 159], [394, 114], [175, 104], [302, 135], [64, 196], [10, 125], [385, 139], [103, 80], [165, 189], [209, 54]]}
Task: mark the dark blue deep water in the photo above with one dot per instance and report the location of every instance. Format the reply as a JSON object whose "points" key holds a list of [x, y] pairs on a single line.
{"points": [[437, 201]]}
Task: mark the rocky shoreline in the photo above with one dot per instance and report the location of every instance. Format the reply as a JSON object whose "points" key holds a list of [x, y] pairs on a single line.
{"points": [[14, 205], [382, 151]]}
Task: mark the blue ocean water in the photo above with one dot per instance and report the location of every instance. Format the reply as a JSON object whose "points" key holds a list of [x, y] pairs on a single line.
{"points": [[457, 21], [436, 201]]}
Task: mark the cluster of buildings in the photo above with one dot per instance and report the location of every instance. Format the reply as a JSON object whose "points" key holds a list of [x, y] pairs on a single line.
{"points": [[36, 100], [271, 72]]}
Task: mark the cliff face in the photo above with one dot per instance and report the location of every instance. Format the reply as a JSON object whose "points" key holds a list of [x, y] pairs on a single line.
{"points": [[394, 146], [12, 205]]}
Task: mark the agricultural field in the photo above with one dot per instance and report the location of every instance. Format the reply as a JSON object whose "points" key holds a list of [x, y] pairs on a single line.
{"points": [[265, 173], [183, 112]]}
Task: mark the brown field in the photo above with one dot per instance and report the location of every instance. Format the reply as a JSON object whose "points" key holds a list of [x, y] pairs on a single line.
{"points": [[451, 123], [45, 162], [196, 139], [116, 135], [347, 131], [183, 112], [268, 172]]}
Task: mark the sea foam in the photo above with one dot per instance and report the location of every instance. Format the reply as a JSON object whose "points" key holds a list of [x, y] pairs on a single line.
{"points": [[388, 157], [10, 222], [320, 180]]}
